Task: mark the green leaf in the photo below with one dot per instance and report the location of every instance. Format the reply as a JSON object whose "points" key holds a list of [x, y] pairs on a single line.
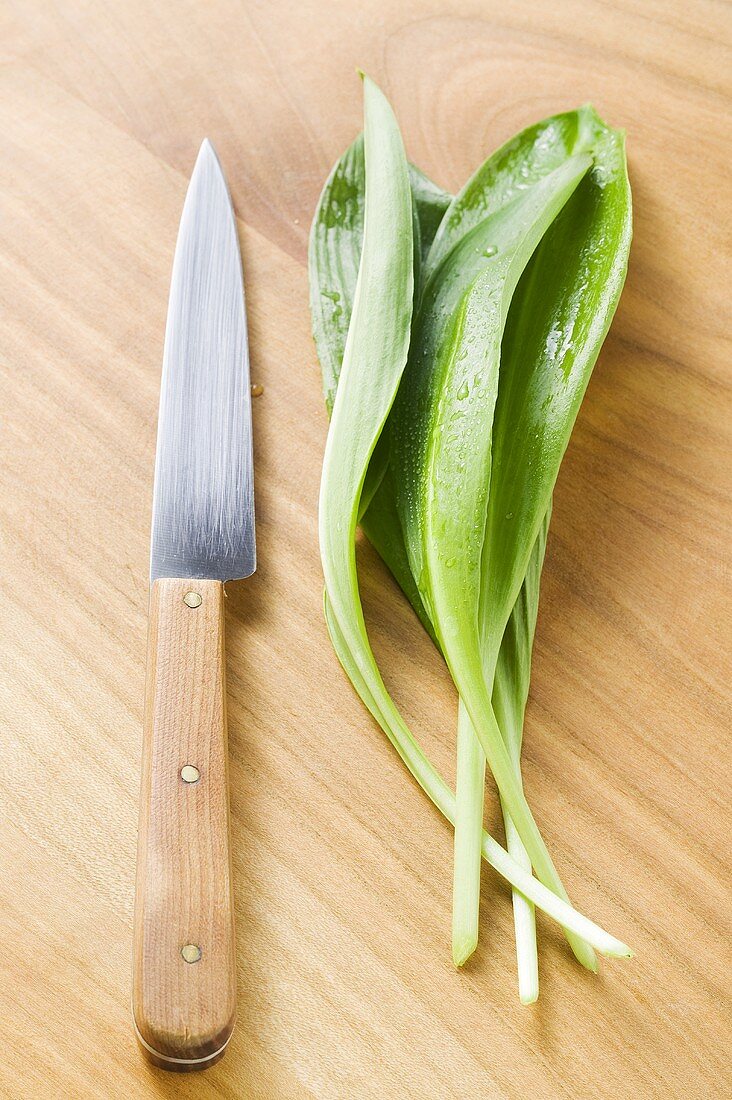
{"points": [[513, 667], [334, 255], [511, 169], [559, 318], [430, 203], [441, 449], [380, 523], [516, 166], [334, 252], [374, 357]]}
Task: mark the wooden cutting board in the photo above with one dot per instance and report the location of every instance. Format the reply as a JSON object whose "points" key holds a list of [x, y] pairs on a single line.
{"points": [[343, 870]]}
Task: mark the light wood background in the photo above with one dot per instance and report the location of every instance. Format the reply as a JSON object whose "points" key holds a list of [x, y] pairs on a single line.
{"points": [[343, 874]]}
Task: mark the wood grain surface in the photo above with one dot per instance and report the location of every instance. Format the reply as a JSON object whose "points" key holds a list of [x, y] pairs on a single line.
{"points": [[184, 958], [342, 869]]}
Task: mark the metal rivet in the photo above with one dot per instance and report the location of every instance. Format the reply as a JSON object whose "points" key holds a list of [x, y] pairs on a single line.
{"points": [[257, 390], [189, 773], [191, 952], [192, 599]]}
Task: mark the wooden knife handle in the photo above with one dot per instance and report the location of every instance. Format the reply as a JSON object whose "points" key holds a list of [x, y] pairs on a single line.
{"points": [[184, 984]]}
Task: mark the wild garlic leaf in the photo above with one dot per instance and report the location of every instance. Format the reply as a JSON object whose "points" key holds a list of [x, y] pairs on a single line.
{"points": [[441, 449], [334, 251], [558, 320], [594, 229], [374, 357], [334, 254], [442, 419], [380, 523], [430, 202], [512, 169]]}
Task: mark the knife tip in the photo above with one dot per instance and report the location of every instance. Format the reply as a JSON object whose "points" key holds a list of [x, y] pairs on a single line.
{"points": [[206, 161], [207, 148]]}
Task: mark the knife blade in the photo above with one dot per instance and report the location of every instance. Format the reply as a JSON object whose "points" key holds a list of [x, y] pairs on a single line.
{"points": [[203, 503], [184, 980]]}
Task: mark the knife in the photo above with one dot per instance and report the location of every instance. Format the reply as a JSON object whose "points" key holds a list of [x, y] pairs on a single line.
{"points": [[184, 980]]}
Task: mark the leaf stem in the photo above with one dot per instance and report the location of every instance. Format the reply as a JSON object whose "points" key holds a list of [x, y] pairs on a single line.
{"points": [[524, 920], [377, 699], [468, 677], [469, 792]]}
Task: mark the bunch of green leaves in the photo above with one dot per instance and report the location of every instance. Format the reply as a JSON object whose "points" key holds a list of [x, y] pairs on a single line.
{"points": [[456, 338]]}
